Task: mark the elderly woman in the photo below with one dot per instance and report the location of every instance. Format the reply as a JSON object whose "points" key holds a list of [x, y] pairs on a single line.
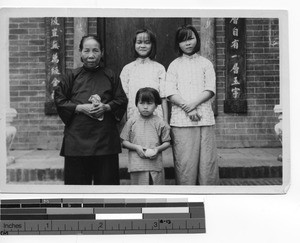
{"points": [[90, 101]]}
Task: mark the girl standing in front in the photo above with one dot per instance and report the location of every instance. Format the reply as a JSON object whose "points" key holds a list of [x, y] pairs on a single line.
{"points": [[144, 72], [146, 136], [190, 85]]}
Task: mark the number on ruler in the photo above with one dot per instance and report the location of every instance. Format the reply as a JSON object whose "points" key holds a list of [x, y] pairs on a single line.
{"points": [[100, 226]]}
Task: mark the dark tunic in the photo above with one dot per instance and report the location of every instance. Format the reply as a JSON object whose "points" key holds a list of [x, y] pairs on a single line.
{"points": [[83, 135]]}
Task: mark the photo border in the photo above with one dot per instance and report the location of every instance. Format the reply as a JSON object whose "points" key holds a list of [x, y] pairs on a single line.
{"points": [[282, 15]]}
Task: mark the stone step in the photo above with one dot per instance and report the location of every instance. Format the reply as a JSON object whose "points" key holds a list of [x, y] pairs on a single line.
{"points": [[26, 175], [223, 182], [47, 165]]}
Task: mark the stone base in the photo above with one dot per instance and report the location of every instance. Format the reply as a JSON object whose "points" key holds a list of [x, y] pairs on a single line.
{"points": [[10, 134], [10, 160], [278, 127]]}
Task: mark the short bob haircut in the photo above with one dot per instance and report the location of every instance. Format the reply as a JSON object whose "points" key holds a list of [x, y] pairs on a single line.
{"points": [[152, 37], [182, 34], [86, 37], [147, 94]]}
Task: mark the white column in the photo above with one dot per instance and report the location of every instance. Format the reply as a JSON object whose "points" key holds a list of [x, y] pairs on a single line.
{"points": [[80, 29], [208, 46], [207, 38]]}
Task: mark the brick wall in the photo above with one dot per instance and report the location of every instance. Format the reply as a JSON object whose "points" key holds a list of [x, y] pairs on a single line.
{"points": [[37, 131], [27, 81], [69, 42], [256, 128]]}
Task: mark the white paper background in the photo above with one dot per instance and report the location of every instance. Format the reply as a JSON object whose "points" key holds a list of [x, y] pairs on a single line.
{"points": [[229, 218]]}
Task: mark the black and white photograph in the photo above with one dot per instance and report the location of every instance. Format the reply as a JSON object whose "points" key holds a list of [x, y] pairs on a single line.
{"points": [[135, 102], [164, 102]]}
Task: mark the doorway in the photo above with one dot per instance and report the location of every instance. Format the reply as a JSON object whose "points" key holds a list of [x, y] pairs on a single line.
{"points": [[117, 36]]}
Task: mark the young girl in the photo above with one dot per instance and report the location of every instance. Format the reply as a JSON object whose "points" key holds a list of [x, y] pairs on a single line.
{"points": [[144, 72], [146, 136], [190, 85]]}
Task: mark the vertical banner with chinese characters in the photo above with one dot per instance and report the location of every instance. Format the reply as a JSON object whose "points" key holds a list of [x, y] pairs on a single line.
{"points": [[55, 59], [235, 39]]}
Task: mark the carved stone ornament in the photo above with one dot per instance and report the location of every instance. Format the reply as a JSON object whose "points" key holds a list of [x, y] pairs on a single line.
{"points": [[10, 133], [278, 126]]}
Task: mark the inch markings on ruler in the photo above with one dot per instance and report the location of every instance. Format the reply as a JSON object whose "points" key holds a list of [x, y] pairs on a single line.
{"points": [[100, 216]]}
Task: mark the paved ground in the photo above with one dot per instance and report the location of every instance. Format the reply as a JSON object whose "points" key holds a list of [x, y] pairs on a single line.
{"points": [[223, 182], [241, 166], [239, 157]]}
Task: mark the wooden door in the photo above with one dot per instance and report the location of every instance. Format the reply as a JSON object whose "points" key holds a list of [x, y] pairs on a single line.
{"points": [[117, 35]]}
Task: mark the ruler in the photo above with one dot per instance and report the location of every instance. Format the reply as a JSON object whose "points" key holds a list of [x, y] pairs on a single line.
{"points": [[70, 216]]}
